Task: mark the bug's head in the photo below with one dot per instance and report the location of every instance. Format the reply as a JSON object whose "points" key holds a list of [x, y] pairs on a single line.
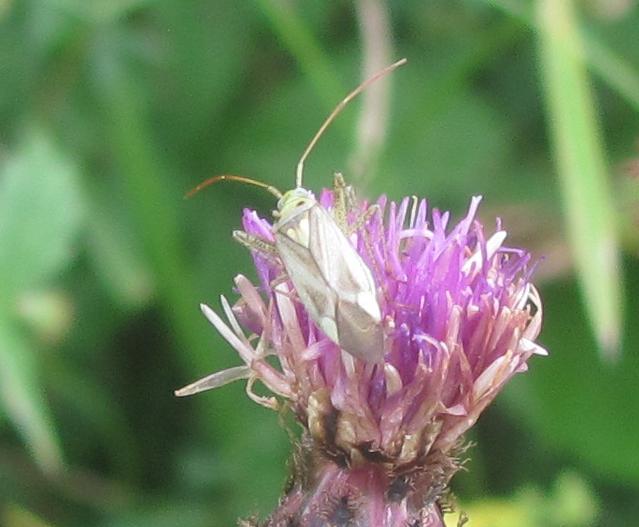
{"points": [[294, 202]]}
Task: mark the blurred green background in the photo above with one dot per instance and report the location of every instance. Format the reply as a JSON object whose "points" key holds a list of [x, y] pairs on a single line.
{"points": [[110, 110]]}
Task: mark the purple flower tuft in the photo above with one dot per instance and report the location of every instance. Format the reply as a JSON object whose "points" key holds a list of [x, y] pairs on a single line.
{"points": [[380, 440]]}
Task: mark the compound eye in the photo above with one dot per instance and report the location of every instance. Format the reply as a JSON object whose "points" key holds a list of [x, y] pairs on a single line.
{"points": [[299, 204]]}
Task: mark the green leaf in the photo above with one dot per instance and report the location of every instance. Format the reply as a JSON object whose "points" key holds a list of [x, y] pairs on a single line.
{"points": [[117, 256], [579, 152], [40, 213], [23, 399]]}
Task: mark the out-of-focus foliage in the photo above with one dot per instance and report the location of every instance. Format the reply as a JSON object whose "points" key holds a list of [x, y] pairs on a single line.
{"points": [[570, 503], [587, 197], [111, 110]]}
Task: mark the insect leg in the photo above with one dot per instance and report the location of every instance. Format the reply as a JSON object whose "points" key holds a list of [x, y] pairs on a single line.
{"points": [[282, 279], [363, 219], [368, 243], [267, 402], [342, 198], [253, 243], [267, 250]]}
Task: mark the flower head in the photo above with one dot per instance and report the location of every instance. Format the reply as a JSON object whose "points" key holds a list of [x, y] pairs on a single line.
{"points": [[460, 319]]}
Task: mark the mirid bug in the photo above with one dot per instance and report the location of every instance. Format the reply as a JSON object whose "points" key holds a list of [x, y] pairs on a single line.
{"points": [[331, 279]]}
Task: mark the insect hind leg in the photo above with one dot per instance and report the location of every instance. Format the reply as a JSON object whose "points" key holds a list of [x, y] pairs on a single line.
{"points": [[364, 218]]}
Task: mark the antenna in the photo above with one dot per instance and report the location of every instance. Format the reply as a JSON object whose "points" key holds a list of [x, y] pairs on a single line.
{"points": [[225, 177], [335, 113]]}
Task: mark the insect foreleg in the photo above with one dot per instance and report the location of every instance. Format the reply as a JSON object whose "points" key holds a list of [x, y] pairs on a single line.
{"points": [[266, 249], [253, 243]]}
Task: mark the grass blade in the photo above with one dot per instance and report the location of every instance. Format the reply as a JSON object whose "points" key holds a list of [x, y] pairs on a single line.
{"points": [[289, 26], [612, 69], [22, 399], [579, 153]]}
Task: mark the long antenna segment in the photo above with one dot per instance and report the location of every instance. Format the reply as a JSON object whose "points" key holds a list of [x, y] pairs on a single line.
{"points": [[335, 113], [227, 177]]}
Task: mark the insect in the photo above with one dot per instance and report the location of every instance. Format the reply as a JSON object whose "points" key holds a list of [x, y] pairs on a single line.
{"points": [[331, 279]]}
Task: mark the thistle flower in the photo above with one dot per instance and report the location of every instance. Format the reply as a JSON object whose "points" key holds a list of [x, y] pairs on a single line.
{"points": [[380, 441]]}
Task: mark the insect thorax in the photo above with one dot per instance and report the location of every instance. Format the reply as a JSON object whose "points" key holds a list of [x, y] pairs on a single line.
{"points": [[294, 202]]}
